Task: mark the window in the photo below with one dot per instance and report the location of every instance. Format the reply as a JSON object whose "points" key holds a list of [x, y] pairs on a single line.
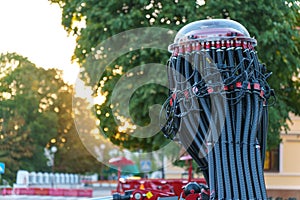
{"points": [[272, 160]]}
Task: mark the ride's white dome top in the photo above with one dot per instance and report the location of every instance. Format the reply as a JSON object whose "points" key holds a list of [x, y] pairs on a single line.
{"points": [[211, 30]]}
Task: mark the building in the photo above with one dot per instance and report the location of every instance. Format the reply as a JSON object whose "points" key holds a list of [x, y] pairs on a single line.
{"points": [[283, 178]]}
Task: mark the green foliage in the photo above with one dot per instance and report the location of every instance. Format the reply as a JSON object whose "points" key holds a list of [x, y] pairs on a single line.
{"points": [[36, 113], [26, 125], [273, 23]]}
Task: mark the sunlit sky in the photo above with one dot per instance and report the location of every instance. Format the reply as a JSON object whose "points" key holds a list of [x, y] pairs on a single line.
{"points": [[33, 29]]}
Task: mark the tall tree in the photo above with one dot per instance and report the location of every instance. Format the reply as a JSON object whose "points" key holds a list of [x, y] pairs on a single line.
{"points": [[275, 24], [36, 113], [77, 145], [27, 120]]}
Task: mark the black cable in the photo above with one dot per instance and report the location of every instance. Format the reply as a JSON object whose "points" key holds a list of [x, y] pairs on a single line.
{"points": [[264, 133], [218, 109], [259, 163], [191, 142], [245, 146], [238, 128], [253, 144], [194, 115], [258, 102]]}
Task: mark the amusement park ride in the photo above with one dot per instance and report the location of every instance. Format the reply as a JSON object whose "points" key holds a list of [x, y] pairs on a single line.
{"points": [[218, 110]]}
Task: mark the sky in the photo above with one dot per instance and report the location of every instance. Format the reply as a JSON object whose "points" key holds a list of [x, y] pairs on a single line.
{"points": [[32, 28]]}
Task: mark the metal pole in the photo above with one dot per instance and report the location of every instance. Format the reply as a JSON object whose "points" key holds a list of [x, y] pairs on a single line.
{"points": [[53, 151], [163, 167], [52, 168]]}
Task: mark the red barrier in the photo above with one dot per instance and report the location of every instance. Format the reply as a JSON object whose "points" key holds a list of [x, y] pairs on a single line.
{"points": [[6, 191], [48, 192], [23, 191], [56, 192], [41, 191], [85, 193], [70, 192]]}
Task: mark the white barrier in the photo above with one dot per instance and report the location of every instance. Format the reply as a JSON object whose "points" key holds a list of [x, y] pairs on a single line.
{"points": [[24, 178], [67, 178], [62, 178], [32, 178], [39, 178], [46, 178], [57, 178]]}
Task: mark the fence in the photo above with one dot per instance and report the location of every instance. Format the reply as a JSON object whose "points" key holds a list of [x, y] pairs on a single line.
{"points": [[25, 178]]}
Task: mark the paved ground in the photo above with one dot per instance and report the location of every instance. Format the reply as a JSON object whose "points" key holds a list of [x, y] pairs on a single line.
{"points": [[102, 191]]}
